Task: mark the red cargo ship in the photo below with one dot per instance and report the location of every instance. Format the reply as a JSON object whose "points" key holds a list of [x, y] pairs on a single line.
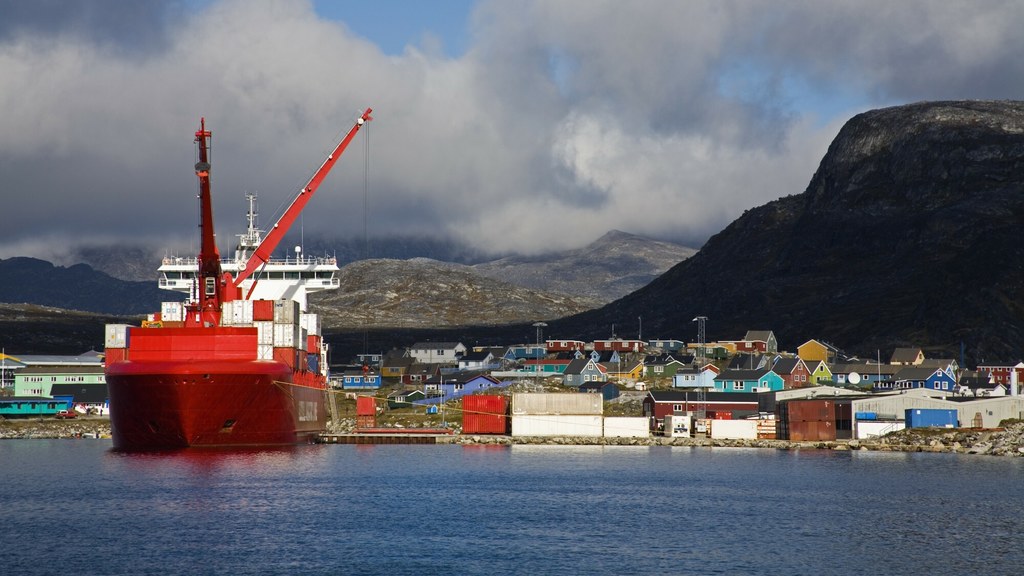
{"points": [[221, 369]]}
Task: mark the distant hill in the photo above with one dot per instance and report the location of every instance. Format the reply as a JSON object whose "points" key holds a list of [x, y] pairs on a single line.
{"points": [[78, 287], [607, 269], [909, 233]]}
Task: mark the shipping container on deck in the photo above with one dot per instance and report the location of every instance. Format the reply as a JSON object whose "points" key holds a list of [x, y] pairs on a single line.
{"points": [[263, 310], [560, 425], [627, 427], [286, 312], [366, 406], [719, 414], [930, 418], [116, 336], [485, 414], [556, 404]]}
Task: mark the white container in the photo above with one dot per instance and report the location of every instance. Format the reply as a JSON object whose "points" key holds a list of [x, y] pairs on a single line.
{"points": [[172, 311], [116, 336], [264, 352], [243, 311], [627, 427], [286, 312], [311, 322], [734, 429], [550, 425], [264, 333], [288, 336], [554, 404], [227, 314]]}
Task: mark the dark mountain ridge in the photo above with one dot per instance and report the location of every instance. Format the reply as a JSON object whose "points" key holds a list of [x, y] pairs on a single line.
{"points": [[77, 287], [908, 234]]}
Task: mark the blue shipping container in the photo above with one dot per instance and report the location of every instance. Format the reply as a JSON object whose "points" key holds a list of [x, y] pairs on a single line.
{"points": [[866, 416], [930, 417]]}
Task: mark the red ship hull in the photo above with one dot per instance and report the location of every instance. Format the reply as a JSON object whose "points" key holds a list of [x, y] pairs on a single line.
{"points": [[159, 405]]}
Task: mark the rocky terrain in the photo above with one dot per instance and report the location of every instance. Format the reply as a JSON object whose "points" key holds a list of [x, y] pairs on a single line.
{"points": [[421, 293], [907, 234]]}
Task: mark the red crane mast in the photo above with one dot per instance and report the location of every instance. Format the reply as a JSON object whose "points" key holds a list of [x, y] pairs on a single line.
{"points": [[263, 252]]}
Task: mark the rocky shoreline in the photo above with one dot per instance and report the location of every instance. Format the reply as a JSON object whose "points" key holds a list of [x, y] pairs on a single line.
{"points": [[1008, 441]]}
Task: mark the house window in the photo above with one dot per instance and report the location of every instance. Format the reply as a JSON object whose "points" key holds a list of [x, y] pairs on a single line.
{"points": [[738, 385], [659, 369], [677, 407]]}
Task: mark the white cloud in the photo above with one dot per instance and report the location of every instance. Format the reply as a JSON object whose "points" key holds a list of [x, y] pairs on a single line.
{"points": [[561, 121]]}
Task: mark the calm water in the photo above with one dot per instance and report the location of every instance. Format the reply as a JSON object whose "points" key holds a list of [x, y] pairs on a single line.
{"points": [[75, 507]]}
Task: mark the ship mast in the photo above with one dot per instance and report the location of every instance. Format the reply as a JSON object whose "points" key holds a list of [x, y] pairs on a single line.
{"points": [[212, 289]]}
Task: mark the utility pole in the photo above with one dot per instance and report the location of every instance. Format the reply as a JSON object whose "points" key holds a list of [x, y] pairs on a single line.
{"points": [[539, 326], [701, 344]]}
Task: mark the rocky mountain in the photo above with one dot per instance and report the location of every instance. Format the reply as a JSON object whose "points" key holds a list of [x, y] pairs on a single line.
{"points": [[607, 269], [423, 293], [909, 233]]}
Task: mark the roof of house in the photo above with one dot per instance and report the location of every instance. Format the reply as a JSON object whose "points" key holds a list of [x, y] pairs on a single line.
{"points": [[748, 361], [435, 345], [480, 356], [905, 355], [758, 335], [914, 373], [787, 365], [79, 369], [90, 393], [578, 365], [731, 374], [596, 385]]}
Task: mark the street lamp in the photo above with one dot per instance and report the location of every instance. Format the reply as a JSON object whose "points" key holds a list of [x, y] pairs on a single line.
{"points": [[539, 326]]}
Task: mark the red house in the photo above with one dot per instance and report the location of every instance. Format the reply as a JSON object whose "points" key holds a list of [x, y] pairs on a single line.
{"points": [[726, 405], [794, 372], [564, 345], [1000, 373], [619, 345]]}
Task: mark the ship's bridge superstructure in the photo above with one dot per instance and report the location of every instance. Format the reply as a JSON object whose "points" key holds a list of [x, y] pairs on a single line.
{"points": [[289, 278]]}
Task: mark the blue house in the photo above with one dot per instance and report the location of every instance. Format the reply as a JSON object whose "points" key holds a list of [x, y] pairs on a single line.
{"points": [[910, 377], [607, 390], [359, 380], [758, 380], [459, 385], [667, 345], [694, 377], [605, 356], [525, 351], [583, 370]]}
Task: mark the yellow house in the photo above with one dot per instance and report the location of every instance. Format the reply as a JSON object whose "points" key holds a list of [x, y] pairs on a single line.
{"points": [[815, 350], [631, 372], [820, 372]]}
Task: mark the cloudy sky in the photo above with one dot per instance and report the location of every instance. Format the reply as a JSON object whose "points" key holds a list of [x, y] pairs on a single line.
{"points": [[514, 125]]}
